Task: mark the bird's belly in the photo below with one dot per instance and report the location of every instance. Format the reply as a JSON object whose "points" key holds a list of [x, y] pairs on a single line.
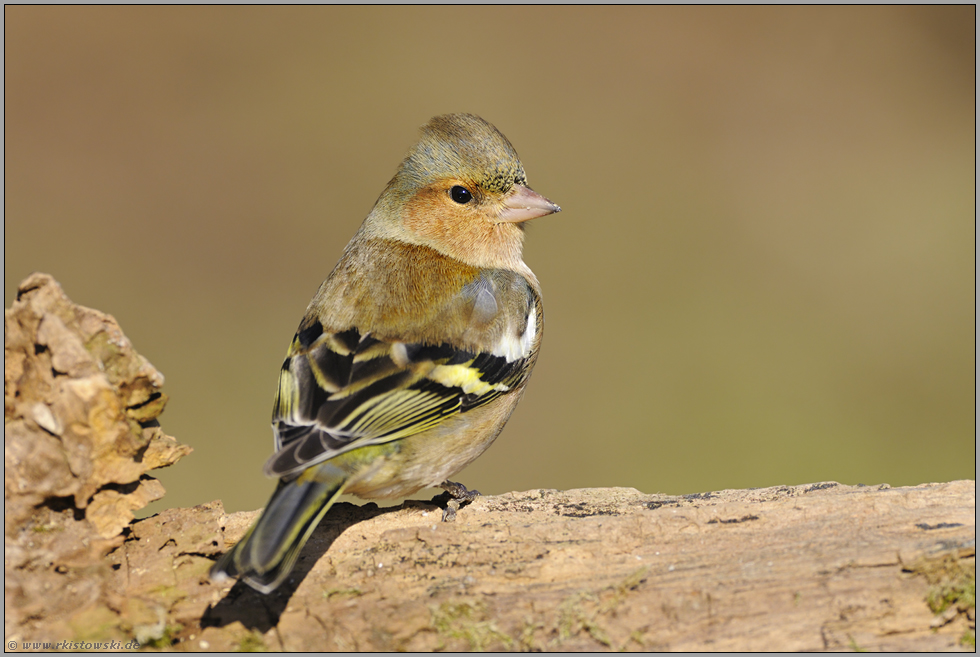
{"points": [[429, 458]]}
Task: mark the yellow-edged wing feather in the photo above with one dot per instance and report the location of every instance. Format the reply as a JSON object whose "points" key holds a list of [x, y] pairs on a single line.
{"points": [[342, 390]]}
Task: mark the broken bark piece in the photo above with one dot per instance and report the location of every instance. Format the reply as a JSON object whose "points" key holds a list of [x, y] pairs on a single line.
{"points": [[80, 433]]}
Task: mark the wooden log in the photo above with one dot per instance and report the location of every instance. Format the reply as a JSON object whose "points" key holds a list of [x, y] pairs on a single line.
{"points": [[817, 567]]}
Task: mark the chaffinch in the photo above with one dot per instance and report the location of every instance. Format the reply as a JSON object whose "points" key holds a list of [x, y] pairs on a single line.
{"points": [[414, 351]]}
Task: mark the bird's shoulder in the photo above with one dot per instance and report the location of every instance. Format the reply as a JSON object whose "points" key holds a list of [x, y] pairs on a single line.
{"points": [[411, 293]]}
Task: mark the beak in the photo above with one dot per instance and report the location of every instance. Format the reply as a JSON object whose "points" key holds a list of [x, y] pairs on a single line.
{"points": [[523, 203]]}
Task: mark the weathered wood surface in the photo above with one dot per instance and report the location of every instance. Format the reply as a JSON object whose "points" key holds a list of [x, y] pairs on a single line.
{"points": [[787, 568], [815, 567]]}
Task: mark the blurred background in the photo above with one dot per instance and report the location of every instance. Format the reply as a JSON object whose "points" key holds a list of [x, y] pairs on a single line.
{"points": [[763, 272]]}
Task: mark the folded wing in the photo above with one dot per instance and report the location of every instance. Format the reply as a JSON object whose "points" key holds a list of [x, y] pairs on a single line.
{"points": [[339, 391]]}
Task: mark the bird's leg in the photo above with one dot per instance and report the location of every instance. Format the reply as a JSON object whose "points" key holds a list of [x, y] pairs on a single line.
{"points": [[459, 495]]}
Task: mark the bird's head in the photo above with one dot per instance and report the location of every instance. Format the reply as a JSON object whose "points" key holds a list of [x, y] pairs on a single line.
{"points": [[462, 191]]}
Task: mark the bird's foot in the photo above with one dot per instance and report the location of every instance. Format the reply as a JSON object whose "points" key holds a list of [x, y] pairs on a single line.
{"points": [[458, 495]]}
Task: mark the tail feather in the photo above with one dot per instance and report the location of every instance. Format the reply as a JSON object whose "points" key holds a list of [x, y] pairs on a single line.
{"points": [[267, 553]]}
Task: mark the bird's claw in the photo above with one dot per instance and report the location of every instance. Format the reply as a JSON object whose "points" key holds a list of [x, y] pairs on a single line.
{"points": [[459, 495]]}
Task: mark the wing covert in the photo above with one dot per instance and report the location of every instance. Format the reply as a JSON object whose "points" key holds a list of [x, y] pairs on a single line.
{"points": [[340, 390]]}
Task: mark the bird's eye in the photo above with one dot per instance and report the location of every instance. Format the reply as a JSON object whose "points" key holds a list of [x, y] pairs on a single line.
{"points": [[460, 194]]}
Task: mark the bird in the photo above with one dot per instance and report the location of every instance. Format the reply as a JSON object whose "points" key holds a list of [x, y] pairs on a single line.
{"points": [[414, 351]]}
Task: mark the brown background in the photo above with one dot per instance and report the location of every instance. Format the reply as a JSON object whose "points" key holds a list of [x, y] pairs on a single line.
{"points": [[763, 273]]}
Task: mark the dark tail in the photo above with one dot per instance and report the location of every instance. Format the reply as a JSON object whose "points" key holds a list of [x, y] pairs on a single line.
{"points": [[268, 552]]}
